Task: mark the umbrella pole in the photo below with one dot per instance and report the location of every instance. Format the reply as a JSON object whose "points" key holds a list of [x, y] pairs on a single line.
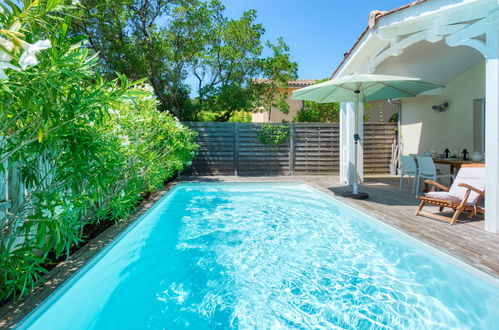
{"points": [[355, 137], [355, 193]]}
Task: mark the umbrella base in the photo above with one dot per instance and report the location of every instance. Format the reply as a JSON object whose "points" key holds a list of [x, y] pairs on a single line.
{"points": [[359, 195]]}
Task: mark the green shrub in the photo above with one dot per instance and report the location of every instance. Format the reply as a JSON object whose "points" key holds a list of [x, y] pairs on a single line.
{"points": [[84, 149], [236, 117], [155, 143], [318, 112], [272, 134], [314, 112]]}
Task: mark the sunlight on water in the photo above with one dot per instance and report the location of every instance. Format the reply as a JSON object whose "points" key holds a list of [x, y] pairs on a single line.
{"points": [[273, 257]]}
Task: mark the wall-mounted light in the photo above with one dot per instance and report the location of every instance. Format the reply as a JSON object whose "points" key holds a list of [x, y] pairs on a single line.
{"points": [[441, 107]]}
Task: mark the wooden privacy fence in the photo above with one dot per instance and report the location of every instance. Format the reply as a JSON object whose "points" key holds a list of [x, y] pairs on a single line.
{"points": [[313, 148]]}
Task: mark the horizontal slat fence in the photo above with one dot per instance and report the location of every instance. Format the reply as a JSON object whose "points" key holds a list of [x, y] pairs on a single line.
{"points": [[255, 158], [313, 148], [317, 148], [378, 139], [216, 154]]}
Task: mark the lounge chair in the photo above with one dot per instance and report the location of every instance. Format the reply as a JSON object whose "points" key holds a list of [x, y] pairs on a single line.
{"points": [[465, 194]]}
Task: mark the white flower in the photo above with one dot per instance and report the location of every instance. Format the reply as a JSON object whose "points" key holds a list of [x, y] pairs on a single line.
{"points": [[7, 45], [75, 2], [5, 65], [148, 88], [30, 51], [4, 57], [16, 26]]}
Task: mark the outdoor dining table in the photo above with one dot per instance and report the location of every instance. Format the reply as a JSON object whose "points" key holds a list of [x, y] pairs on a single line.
{"points": [[455, 163]]}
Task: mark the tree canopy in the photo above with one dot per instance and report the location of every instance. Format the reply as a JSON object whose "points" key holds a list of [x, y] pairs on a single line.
{"points": [[195, 57], [314, 112]]}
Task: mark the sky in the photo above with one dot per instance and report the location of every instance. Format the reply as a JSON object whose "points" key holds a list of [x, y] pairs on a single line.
{"points": [[318, 32]]}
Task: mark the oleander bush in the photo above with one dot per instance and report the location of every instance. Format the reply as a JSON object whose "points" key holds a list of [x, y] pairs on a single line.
{"points": [[78, 148]]}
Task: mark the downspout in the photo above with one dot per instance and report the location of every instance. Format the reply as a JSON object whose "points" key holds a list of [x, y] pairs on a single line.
{"points": [[399, 118], [399, 126]]}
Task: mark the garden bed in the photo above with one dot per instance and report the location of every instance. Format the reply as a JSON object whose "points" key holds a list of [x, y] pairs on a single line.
{"points": [[98, 236]]}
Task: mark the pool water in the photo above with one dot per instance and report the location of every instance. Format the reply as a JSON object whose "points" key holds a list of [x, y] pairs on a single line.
{"points": [[267, 256]]}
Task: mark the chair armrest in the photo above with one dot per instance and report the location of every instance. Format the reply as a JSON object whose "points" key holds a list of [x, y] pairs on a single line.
{"points": [[436, 184], [478, 191]]}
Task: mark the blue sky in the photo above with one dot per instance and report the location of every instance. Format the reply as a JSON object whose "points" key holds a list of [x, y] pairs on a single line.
{"points": [[318, 32]]}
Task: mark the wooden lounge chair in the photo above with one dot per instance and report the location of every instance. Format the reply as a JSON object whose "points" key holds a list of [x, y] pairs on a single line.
{"points": [[465, 194]]}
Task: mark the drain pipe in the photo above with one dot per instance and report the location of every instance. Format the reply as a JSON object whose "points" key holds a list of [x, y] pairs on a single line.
{"points": [[399, 117], [399, 124]]}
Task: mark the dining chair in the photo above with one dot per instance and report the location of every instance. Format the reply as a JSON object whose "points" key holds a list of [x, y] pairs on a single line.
{"points": [[410, 169], [427, 170]]}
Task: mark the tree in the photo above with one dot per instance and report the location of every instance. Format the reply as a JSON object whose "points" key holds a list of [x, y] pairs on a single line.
{"points": [[230, 58], [279, 69], [314, 112], [318, 112], [178, 41], [131, 40], [78, 149]]}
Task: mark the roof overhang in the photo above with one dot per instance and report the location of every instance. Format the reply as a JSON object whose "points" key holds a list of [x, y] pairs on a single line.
{"points": [[433, 40]]}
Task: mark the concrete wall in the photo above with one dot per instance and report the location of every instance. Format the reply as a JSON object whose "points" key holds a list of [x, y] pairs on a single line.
{"points": [[423, 129]]}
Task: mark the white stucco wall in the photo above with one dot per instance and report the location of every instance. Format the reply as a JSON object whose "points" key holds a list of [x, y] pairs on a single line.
{"points": [[423, 129]]}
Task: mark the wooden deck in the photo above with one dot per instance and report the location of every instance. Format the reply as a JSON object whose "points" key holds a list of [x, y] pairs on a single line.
{"points": [[466, 240]]}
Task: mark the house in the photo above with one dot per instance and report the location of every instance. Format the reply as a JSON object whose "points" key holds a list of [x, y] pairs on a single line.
{"points": [[453, 43], [277, 116]]}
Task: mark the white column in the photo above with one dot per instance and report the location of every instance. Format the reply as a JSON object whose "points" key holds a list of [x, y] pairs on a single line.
{"points": [[360, 149], [347, 145], [343, 144], [491, 131]]}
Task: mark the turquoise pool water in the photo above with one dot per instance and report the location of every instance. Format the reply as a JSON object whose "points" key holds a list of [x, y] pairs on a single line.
{"points": [[267, 256]]}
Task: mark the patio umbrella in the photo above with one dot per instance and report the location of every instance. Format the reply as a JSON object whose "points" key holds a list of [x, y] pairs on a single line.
{"points": [[362, 88]]}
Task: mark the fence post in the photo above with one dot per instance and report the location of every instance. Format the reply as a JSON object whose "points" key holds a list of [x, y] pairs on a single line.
{"points": [[292, 149], [236, 149]]}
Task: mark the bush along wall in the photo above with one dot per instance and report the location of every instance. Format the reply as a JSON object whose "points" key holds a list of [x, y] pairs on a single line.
{"points": [[76, 149]]}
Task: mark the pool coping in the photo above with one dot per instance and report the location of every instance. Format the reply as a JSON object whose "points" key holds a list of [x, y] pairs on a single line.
{"points": [[13, 313]]}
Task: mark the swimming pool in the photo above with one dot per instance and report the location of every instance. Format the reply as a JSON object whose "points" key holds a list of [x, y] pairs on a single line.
{"points": [[227, 255]]}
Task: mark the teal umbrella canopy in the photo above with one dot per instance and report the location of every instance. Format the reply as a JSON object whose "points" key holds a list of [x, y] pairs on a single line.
{"points": [[363, 87]]}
